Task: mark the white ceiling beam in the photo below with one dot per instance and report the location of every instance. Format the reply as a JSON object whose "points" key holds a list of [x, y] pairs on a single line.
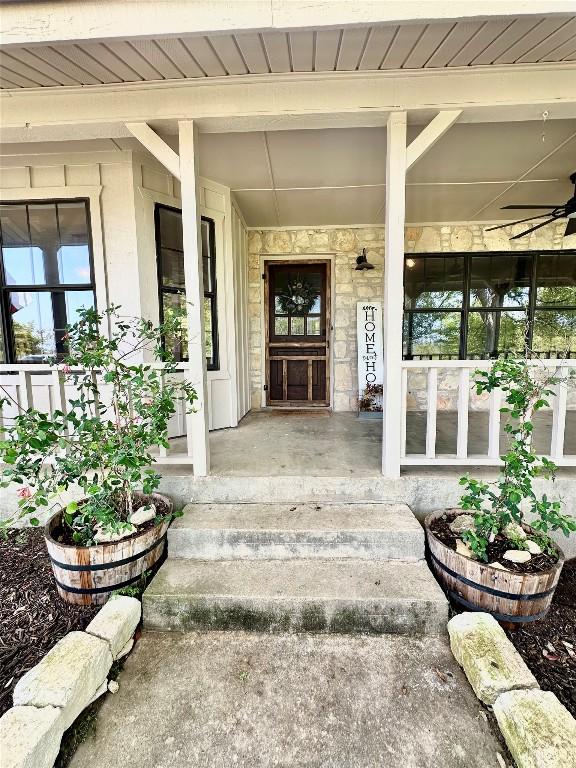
{"points": [[156, 146], [290, 101], [28, 23], [430, 135]]}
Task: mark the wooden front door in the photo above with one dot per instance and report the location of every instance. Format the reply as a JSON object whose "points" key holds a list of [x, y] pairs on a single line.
{"points": [[297, 299]]}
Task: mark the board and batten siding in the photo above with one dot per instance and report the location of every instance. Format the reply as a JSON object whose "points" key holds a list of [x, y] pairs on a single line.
{"points": [[122, 188], [152, 184], [240, 256]]}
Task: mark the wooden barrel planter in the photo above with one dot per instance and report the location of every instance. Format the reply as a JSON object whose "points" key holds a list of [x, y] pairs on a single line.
{"points": [[512, 598], [88, 575]]}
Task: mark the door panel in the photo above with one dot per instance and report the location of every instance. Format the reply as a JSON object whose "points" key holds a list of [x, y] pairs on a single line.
{"points": [[297, 333]]}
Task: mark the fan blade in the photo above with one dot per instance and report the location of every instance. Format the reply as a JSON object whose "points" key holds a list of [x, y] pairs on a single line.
{"points": [[529, 207], [538, 226], [520, 221], [570, 228]]}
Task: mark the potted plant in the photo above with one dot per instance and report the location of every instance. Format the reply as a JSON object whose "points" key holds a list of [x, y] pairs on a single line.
{"points": [[100, 444], [370, 402], [485, 553]]}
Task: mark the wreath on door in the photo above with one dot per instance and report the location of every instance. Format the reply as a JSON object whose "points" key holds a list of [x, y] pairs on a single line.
{"points": [[298, 298]]}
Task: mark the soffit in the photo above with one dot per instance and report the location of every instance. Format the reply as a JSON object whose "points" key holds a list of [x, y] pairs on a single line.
{"points": [[408, 46]]}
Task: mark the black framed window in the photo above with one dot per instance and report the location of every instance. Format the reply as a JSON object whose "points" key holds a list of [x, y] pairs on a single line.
{"points": [[488, 305], [171, 286], [46, 275]]}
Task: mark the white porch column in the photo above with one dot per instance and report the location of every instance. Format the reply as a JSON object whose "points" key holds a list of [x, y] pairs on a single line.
{"points": [[197, 422], [393, 293]]}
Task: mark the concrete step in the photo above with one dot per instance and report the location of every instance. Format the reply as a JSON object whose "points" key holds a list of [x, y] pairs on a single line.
{"points": [[284, 531], [380, 596]]}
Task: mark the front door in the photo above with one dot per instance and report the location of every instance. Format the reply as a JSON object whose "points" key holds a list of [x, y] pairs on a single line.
{"points": [[297, 333]]}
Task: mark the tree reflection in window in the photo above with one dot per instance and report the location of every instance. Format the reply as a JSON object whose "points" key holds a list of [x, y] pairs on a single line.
{"points": [[490, 305]]}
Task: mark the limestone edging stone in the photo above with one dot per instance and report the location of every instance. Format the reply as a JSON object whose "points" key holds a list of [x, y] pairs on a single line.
{"points": [[490, 661], [67, 677], [51, 695], [539, 731], [30, 737], [116, 622]]}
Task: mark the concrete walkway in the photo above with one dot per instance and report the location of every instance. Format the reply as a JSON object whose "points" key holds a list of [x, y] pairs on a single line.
{"points": [[221, 699]]}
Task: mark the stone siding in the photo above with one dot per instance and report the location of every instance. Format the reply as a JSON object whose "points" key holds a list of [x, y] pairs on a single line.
{"points": [[342, 246]]}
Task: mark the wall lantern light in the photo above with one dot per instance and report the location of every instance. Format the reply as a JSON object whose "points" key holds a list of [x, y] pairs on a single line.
{"points": [[362, 262]]}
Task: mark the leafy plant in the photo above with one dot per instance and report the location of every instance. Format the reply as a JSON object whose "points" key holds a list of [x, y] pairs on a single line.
{"points": [[102, 441], [371, 398], [527, 389]]}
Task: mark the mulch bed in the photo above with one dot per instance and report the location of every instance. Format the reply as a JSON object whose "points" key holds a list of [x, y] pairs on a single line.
{"points": [[32, 615], [549, 647]]}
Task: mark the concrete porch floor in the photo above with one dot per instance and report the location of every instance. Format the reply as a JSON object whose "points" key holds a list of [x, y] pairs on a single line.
{"points": [[220, 699], [323, 443]]}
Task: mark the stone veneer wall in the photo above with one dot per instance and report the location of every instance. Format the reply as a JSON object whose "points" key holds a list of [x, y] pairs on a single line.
{"points": [[343, 245]]}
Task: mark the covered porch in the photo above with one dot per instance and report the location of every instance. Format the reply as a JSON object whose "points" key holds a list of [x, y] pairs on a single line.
{"points": [[288, 149]]}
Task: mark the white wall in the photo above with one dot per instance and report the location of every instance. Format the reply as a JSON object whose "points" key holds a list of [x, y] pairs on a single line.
{"points": [[122, 188], [241, 317]]}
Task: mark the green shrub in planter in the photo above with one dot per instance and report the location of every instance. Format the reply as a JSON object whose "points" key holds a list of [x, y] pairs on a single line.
{"points": [[498, 506], [102, 443]]}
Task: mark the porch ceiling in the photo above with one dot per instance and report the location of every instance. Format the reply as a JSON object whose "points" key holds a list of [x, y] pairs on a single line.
{"points": [[410, 46], [337, 176]]}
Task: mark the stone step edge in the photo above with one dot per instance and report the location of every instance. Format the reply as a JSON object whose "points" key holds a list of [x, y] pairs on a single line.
{"points": [[300, 615]]}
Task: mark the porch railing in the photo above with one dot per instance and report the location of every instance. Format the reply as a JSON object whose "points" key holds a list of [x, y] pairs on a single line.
{"points": [[444, 423], [45, 388]]}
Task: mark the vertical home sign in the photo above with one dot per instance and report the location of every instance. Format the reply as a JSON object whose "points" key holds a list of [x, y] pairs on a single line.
{"points": [[370, 344]]}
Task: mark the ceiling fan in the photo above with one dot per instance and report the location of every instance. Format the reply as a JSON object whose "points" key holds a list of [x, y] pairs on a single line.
{"points": [[567, 210]]}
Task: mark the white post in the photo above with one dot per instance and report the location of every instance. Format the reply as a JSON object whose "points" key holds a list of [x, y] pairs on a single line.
{"points": [[393, 293], [197, 422]]}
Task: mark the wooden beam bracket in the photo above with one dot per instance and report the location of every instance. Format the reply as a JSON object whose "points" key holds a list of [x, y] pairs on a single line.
{"points": [[156, 146], [429, 135]]}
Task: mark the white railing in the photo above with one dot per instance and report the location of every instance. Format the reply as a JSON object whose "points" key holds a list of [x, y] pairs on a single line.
{"points": [[442, 392], [45, 388]]}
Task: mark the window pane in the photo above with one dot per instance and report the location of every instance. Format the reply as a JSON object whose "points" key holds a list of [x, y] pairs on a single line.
{"points": [[176, 345], [556, 279], [45, 245], [170, 224], [14, 223], [432, 334], [281, 326], [16, 250], [491, 334], [433, 282], [297, 326], [554, 333], [313, 326], [39, 321], [74, 253], [206, 256], [208, 338], [500, 280], [316, 306], [59, 251], [172, 268]]}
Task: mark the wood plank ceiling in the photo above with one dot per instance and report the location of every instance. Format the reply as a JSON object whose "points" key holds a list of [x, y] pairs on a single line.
{"points": [[411, 46]]}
